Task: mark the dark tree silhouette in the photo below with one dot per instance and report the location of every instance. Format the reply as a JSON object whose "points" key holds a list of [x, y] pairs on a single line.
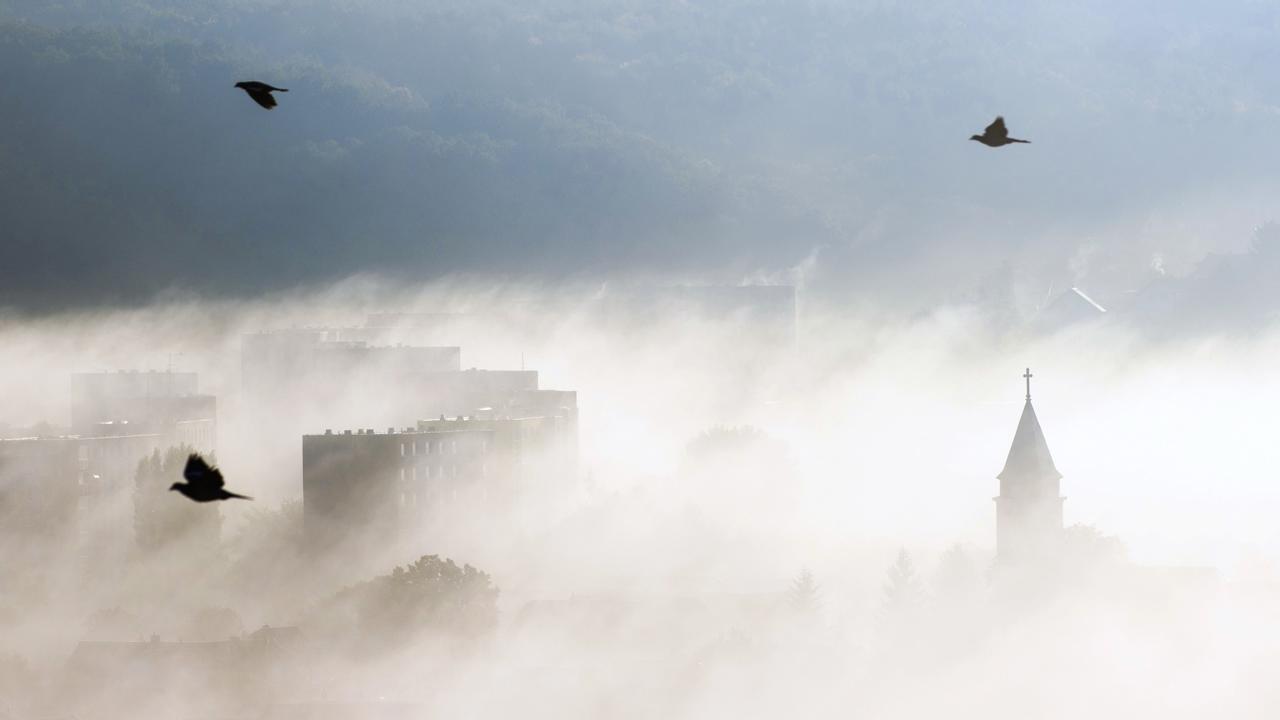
{"points": [[724, 439], [430, 597]]}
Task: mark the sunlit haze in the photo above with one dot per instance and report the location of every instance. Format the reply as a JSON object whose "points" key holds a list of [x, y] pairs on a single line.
{"points": [[632, 360]]}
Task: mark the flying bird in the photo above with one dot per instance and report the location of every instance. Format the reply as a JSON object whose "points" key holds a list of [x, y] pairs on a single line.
{"points": [[204, 482], [260, 92], [996, 135]]}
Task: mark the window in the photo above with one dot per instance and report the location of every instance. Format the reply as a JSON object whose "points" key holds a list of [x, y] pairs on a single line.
{"points": [[401, 449]]}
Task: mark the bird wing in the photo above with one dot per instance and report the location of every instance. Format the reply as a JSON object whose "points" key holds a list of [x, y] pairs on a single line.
{"points": [[262, 97], [997, 129], [201, 474]]}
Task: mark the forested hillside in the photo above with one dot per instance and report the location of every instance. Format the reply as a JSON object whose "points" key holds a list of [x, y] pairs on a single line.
{"points": [[553, 137]]}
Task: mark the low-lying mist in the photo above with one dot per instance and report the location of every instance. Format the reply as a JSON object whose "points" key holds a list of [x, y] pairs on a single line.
{"points": [[761, 524]]}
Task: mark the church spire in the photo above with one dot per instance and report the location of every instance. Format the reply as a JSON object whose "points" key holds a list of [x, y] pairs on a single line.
{"points": [[1029, 507], [1029, 456]]}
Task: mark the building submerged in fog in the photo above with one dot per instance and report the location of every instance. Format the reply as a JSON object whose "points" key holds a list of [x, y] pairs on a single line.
{"points": [[295, 381], [277, 362], [221, 677], [163, 403], [74, 487], [498, 432], [1029, 507], [364, 486]]}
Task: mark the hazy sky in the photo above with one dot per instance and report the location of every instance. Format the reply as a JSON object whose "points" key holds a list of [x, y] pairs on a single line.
{"points": [[538, 165], [712, 141], [533, 144]]}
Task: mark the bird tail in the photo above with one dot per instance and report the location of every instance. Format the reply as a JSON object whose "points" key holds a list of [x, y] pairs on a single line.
{"points": [[1013, 140], [242, 497], [282, 89]]}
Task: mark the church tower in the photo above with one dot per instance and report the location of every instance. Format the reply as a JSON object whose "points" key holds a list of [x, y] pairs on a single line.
{"points": [[1029, 508]]}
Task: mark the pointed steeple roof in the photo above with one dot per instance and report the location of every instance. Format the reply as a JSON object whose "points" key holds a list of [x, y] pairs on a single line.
{"points": [[1029, 456]]}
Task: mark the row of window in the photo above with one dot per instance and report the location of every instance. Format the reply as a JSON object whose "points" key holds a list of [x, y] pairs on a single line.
{"points": [[424, 447], [408, 500], [415, 472]]}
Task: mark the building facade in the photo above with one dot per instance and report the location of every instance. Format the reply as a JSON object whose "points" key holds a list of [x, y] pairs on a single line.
{"points": [[124, 403], [69, 492], [276, 362], [535, 442], [366, 487]]}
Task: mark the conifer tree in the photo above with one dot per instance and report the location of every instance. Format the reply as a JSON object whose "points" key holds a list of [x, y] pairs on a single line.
{"points": [[804, 597], [902, 590]]}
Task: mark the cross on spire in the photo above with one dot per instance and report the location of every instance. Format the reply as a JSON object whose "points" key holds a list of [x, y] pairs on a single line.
{"points": [[1028, 376]]}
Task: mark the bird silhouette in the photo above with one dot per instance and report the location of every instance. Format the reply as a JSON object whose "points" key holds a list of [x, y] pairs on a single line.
{"points": [[260, 92], [996, 135], [204, 482]]}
